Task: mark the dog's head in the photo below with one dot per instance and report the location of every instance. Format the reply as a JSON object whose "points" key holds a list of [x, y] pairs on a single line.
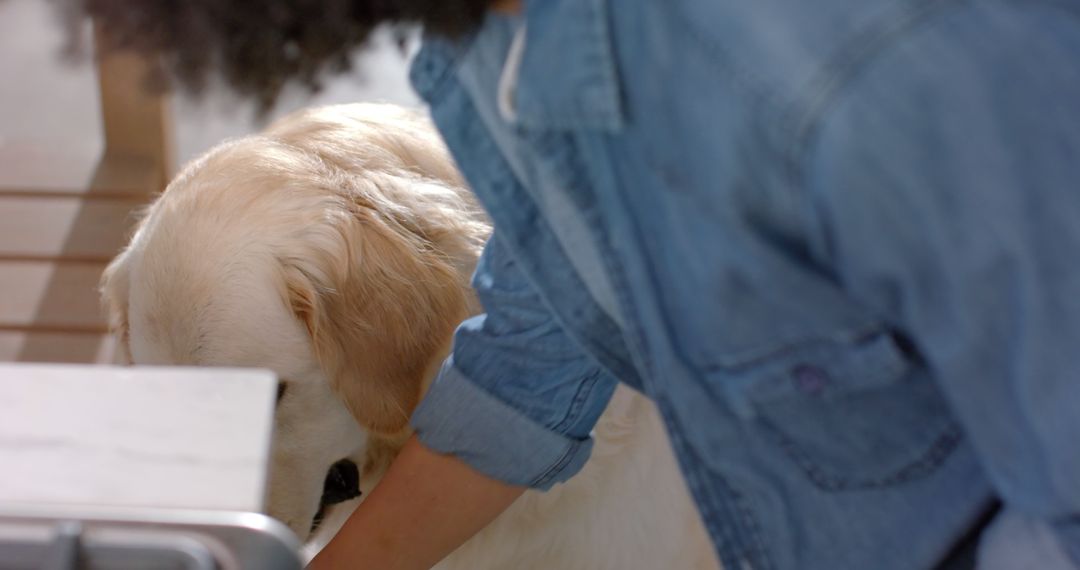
{"points": [[334, 249]]}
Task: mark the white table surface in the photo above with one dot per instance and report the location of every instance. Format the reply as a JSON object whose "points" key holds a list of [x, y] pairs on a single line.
{"points": [[191, 438]]}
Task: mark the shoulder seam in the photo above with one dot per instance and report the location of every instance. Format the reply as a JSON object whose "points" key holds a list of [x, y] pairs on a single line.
{"points": [[838, 73]]}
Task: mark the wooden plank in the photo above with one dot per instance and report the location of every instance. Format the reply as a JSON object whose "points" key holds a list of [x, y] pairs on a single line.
{"points": [[137, 122], [57, 347], [63, 227], [58, 297], [26, 169]]}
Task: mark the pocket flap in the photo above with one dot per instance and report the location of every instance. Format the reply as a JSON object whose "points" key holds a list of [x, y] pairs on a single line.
{"points": [[821, 369]]}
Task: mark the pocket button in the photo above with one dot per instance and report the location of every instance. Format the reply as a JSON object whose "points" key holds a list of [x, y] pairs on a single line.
{"points": [[810, 379]]}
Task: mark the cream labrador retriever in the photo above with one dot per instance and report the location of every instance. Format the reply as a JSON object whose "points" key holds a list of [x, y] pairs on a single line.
{"points": [[335, 249]]}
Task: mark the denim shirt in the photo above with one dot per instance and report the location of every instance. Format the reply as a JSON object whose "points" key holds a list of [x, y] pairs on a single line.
{"points": [[835, 242]]}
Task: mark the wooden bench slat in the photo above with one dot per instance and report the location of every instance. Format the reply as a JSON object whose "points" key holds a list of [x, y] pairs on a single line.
{"points": [[63, 228], [54, 296], [56, 347]]}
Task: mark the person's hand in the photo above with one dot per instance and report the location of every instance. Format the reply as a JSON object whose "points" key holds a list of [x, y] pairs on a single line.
{"points": [[423, 509]]}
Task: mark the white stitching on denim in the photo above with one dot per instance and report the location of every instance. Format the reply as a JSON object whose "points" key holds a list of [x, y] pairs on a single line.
{"points": [[508, 79]]}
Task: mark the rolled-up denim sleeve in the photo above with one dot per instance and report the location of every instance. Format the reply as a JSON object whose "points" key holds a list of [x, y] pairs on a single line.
{"points": [[517, 398], [947, 181]]}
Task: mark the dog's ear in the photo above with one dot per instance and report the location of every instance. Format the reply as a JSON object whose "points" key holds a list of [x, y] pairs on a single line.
{"points": [[380, 303], [114, 286]]}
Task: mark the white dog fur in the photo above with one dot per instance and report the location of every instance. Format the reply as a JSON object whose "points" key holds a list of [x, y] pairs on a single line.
{"points": [[335, 249]]}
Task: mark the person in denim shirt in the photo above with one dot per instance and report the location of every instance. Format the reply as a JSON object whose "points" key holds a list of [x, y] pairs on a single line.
{"points": [[836, 242]]}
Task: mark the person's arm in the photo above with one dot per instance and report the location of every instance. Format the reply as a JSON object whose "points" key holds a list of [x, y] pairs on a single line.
{"points": [[947, 174], [425, 507], [512, 408]]}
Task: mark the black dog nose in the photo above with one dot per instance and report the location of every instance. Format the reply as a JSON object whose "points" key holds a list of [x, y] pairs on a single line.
{"points": [[342, 483]]}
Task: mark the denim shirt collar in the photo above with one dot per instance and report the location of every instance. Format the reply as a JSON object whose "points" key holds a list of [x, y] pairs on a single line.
{"points": [[567, 78]]}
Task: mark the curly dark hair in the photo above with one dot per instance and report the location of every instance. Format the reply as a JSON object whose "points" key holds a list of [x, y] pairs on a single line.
{"points": [[258, 46]]}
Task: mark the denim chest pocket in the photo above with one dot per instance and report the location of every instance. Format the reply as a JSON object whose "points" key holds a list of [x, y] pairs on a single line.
{"points": [[853, 414]]}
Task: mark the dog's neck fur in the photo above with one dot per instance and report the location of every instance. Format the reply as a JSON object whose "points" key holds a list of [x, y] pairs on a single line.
{"points": [[382, 449]]}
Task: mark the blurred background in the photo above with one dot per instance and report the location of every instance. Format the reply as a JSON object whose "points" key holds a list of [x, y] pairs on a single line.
{"points": [[82, 147]]}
